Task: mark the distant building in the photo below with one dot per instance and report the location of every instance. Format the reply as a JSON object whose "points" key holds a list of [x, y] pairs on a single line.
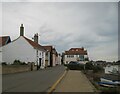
{"points": [[59, 59], [48, 56], [75, 54], [25, 50], [52, 57], [4, 40]]}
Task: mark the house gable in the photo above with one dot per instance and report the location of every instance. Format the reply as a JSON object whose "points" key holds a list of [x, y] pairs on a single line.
{"points": [[19, 49]]}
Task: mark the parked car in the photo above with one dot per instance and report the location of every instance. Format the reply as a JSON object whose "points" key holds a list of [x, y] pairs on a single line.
{"points": [[74, 65]]}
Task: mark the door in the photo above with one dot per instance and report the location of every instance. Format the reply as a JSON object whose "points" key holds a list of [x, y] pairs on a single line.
{"points": [[40, 62]]}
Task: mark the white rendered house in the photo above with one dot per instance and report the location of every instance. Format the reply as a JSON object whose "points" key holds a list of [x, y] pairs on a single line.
{"points": [[76, 54], [25, 50]]}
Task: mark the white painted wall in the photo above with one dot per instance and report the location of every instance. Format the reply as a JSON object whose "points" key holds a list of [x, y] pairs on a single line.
{"points": [[68, 59], [54, 59], [59, 60], [48, 58], [20, 50], [75, 58], [23, 51]]}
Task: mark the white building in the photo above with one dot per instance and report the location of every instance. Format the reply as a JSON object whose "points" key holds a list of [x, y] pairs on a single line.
{"points": [[25, 50], [75, 54], [59, 59], [3, 41]]}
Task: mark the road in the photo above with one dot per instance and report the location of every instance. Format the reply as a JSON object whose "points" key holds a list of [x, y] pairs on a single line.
{"points": [[34, 81]]}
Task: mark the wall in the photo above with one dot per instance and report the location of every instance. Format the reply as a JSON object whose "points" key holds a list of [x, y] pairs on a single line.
{"points": [[59, 60], [47, 58], [7, 69], [54, 59], [19, 49], [68, 59], [0, 54]]}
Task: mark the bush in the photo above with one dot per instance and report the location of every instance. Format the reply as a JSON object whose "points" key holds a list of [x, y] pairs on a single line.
{"points": [[3, 63], [18, 62], [97, 69], [89, 66], [23, 63]]}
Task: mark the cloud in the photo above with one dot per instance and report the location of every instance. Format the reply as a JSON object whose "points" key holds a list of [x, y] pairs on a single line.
{"points": [[65, 25]]}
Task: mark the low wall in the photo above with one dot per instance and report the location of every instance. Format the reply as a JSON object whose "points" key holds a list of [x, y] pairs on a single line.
{"points": [[7, 69]]}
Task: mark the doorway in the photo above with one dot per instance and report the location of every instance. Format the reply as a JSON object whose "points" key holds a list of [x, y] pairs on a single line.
{"points": [[40, 62]]}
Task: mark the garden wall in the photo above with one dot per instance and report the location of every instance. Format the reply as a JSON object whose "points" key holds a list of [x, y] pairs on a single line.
{"points": [[7, 69]]}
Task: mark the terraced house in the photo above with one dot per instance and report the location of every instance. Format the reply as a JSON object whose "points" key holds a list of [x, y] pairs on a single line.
{"points": [[76, 54], [52, 56]]}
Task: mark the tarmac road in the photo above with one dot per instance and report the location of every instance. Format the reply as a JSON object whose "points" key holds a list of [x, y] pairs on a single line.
{"points": [[34, 81]]}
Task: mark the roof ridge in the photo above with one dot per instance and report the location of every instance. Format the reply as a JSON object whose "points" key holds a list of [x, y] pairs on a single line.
{"points": [[34, 44]]}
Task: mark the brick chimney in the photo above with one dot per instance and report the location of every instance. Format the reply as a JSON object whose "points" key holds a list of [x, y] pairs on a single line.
{"points": [[36, 38], [82, 48], [21, 30]]}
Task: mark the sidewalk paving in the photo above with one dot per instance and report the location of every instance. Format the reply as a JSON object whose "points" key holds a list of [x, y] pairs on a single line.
{"points": [[75, 81]]}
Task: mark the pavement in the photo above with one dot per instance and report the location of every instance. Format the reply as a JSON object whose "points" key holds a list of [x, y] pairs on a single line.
{"points": [[33, 81], [75, 81]]}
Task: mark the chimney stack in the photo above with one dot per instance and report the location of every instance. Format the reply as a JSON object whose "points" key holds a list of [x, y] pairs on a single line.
{"points": [[36, 38], [82, 48], [21, 30]]}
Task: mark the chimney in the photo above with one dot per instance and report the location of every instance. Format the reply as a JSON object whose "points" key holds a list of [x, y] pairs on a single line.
{"points": [[36, 38], [82, 48], [21, 30]]}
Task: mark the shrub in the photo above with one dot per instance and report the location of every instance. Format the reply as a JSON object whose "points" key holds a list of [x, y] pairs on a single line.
{"points": [[97, 69], [17, 62], [89, 66], [3, 63], [23, 63]]}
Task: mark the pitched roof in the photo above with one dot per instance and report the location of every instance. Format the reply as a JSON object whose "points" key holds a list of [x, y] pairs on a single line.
{"points": [[76, 51], [49, 48], [34, 44], [4, 40]]}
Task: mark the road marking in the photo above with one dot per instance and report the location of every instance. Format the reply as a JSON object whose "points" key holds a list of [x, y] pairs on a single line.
{"points": [[56, 83]]}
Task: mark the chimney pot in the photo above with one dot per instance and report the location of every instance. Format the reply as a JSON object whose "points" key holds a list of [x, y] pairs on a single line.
{"points": [[21, 30], [36, 38]]}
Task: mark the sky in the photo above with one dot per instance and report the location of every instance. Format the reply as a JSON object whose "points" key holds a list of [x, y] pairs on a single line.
{"points": [[65, 25]]}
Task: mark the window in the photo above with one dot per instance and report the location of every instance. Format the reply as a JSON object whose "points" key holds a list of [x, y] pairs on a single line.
{"points": [[40, 54]]}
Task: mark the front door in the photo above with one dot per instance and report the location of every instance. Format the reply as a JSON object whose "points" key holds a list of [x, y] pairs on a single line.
{"points": [[40, 62]]}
